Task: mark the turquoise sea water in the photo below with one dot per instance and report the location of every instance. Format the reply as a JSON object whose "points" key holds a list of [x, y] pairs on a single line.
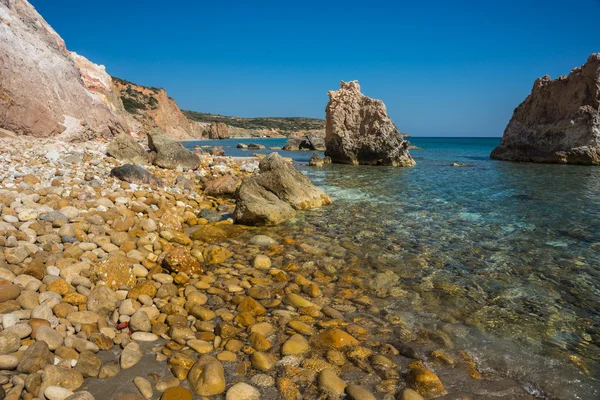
{"points": [[507, 251]]}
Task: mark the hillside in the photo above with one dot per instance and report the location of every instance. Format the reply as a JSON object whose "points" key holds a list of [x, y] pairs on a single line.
{"points": [[285, 125]]}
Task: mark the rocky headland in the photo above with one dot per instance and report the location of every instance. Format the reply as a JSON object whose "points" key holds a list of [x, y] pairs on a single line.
{"points": [[559, 122], [359, 131]]}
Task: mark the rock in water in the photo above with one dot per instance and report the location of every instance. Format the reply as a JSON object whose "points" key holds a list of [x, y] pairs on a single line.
{"points": [[207, 377], [316, 140], [51, 97], [559, 122], [124, 148], [359, 131], [135, 174], [170, 153], [274, 195], [218, 130]]}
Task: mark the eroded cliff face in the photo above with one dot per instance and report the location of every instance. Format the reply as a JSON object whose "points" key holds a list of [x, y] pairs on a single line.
{"points": [[43, 91], [359, 131], [559, 122], [150, 109]]}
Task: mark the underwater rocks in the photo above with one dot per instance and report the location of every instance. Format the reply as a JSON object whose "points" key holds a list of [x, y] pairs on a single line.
{"points": [[359, 131], [274, 195], [559, 122]]}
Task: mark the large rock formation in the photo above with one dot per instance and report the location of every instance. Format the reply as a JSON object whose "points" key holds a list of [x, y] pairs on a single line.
{"points": [[559, 122], [171, 154], [274, 195], [359, 131], [124, 148], [218, 130], [43, 91], [151, 109]]}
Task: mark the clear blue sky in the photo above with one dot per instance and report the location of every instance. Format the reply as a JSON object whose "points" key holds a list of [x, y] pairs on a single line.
{"points": [[443, 68]]}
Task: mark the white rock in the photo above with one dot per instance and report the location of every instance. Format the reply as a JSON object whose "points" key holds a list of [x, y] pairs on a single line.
{"points": [[57, 393], [9, 320], [53, 155]]}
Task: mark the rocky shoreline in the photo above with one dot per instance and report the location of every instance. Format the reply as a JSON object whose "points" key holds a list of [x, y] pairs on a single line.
{"points": [[93, 266]]}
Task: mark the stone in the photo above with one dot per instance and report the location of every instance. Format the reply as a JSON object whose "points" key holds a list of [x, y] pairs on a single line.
{"points": [[274, 195], [559, 122], [316, 140], [108, 371], [9, 342], [144, 337], [50, 336], [140, 322], [263, 361], [216, 254], [114, 271], [296, 345], [409, 394], [124, 148], [54, 375], [359, 131], [88, 364], [336, 338], [57, 393], [83, 395], [424, 381], [16, 255], [223, 186], [144, 386], [330, 383], [218, 130], [242, 391], [217, 233], [102, 300], [261, 240], [170, 154], [9, 292], [262, 262], [207, 377], [130, 355], [356, 392], [316, 161], [176, 393], [179, 259], [200, 346], [296, 144], [35, 358], [135, 174], [8, 362], [83, 317]]}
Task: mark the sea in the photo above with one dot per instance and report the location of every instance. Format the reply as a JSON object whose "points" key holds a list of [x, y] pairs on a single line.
{"points": [[506, 256]]}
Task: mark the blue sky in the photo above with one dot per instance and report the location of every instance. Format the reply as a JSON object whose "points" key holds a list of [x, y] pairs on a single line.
{"points": [[443, 68]]}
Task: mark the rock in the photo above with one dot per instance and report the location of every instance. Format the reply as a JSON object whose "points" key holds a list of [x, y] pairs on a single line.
{"points": [[144, 386], [336, 338], [409, 394], [135, 174], [330, 383], [179, 259], [9, 342], [88, 364], [71, 108], [57, 393], [559, 122], [296, 145], [316, 161], [261, 262], [296, 345], [355, 392], [210, 215], [9, 292], [35, 358], [130, 355], [255, 146], [124, 148], [242, 391], [16, 255], [83, 317], [102, 300], [54, 375], [8, 362], [225, 185], [144, 337], [273, 196], [359, 131], [263, 361], [316, 141], [140, 322], [242, 146], [114, 271], [207, 377], [218, 130], [424, 381], [261, 240], [176, 393], [49, 336], [81, 396], [171, 154], [217, 233], [216, 254]]}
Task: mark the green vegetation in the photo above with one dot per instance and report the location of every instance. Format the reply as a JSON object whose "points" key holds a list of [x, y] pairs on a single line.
{"points": [[285, 124], [132, 105]]}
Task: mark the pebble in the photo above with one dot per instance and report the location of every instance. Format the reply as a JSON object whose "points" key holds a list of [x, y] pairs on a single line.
{"points": [[356, 392], [144, 337], [330, 383], [130, 355], [57, 393], [242, 391], [207, 377], [144, 386], [9, 342], [8, 362], [177, 393]]}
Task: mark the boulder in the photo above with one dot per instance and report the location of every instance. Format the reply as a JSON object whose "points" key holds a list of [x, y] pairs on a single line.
{"points": [[317, 161], [254, 146], [207, 376], [274, 195], [225, 185], [359, 131], [135, 174], [559, 122], [296, 144], [124, 148], [218, 130], [316, 141], [170, 153]]}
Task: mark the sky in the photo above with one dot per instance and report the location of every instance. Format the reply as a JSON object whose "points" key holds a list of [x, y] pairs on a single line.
{"points": [[443, 68]]}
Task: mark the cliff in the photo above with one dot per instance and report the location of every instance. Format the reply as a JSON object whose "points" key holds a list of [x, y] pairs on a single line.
{"points": [[42, 88], [559, 122], [150, 108]]}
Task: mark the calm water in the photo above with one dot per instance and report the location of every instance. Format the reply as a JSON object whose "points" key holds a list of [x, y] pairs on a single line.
{"points": [[507, 253]]}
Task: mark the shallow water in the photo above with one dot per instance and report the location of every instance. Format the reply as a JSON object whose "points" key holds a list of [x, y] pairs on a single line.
{"points": [[505, 255]]}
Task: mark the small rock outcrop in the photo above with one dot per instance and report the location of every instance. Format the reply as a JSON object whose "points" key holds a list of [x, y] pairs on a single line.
{"points": [[135, 174], [316, 141], [218, 130], [559, 122], [274, 195], [171, 154], [124, 148], [359, 131], [296, 144]]}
